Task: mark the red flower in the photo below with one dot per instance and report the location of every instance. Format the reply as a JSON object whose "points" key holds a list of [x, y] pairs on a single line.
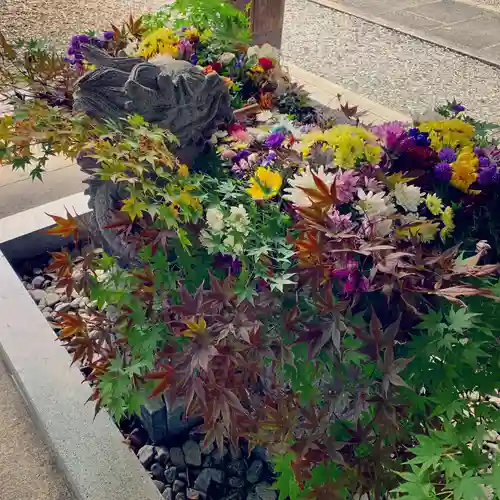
{"points": [[266, 63], [235, 128], [217, 66]]}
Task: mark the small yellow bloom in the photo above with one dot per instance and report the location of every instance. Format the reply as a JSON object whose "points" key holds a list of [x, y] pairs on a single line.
{"points": [[183, 170], [464, 169], [349, 144], [434, 204], [448, 133], [191, 33], [265, 184], [449, 225], [160, 41]]}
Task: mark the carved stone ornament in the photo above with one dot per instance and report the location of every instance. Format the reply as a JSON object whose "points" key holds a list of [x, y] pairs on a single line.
{"points": [[175, 95]]}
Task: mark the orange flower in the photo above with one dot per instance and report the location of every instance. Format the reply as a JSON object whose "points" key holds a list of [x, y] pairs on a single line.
{"points": [[266, 100]]}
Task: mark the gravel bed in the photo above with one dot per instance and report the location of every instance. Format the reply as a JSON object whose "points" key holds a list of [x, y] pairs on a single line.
{"points": [[396, 70], [58, 20]]}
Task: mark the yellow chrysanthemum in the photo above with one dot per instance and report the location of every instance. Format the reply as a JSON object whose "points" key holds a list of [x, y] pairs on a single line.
{"points": [[448, 133], [265, 184], [160, 41], [349, 143], [464, 169], [449, 224], [191, 33], [434, 204]]}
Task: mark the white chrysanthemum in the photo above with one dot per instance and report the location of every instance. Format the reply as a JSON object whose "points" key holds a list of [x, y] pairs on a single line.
{"points": [[374, 204], [409, 197], [265, 50], [227, 58], [238, 219], [215, 219], [296, 195]]}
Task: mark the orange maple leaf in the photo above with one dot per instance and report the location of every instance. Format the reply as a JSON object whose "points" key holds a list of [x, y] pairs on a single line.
{"points": [[61, 263], [72, 324], [64, 226]]}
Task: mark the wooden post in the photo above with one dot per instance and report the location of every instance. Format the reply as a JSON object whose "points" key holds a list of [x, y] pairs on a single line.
{"points": [[266, 20]]}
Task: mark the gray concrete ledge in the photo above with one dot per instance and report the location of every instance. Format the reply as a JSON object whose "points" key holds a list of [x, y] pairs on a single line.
{"points": [[22, 235], [416, 33], [91, 453]]}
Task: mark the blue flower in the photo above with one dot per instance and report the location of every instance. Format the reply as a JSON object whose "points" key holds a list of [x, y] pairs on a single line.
{"points": [[275, 140], [447, 155]]}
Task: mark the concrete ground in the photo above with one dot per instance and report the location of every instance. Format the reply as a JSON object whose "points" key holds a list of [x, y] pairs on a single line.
{"points": [[466, 26], [396, 70], [27, 469]]}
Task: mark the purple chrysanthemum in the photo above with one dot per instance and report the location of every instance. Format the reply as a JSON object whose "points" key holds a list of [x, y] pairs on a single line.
{"points": [[484, 162], [108, 35], [83, 38], [442, 171], [275, 140], [457, 107], [448, 155], [242, 155], [194, 59], [270, 157], [488, 175]]}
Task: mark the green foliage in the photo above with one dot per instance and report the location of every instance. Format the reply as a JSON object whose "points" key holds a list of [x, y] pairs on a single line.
{"points": [[226, 25]]}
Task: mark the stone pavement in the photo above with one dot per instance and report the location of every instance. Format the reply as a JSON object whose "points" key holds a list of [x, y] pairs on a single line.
{"points": [[27, 468], [463, 26]]}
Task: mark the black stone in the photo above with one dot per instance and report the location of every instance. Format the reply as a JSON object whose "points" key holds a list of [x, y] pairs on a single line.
{"points": [[146, 455], [192, 453], [177, 458], [254, 472], [170, 474], [178, 486], [157, 472], [162, 455]]}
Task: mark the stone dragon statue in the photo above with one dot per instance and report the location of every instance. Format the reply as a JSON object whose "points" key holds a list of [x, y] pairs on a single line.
{"points": [[172, 94]]}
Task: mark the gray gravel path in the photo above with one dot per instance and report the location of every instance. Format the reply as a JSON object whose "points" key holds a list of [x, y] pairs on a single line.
{"points": [[58, 20], [396, 70]]}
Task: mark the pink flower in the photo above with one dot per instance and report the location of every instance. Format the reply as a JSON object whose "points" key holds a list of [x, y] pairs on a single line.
{"points": [[389, 133], [354, 280], [340, 222], [346, 183]]}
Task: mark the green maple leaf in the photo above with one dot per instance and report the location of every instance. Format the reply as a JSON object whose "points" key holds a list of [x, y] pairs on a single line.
{"points": [[448, 341], [427, 452], [278, 282], [460, 320], [286, 483], [451, 468], [134, 207], [433, 323], [493, 479], [468, 487]]}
